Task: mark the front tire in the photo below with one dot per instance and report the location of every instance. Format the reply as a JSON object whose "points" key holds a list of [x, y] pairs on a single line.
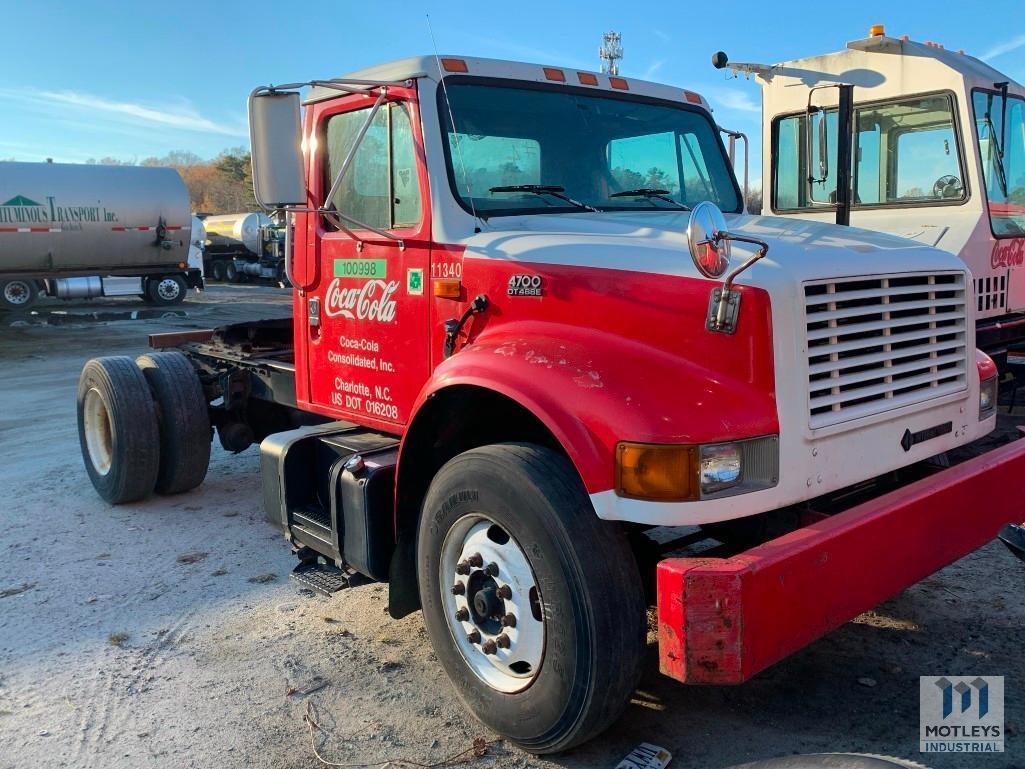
{"points": [[117, 429], [166, 290], [512, 524]]}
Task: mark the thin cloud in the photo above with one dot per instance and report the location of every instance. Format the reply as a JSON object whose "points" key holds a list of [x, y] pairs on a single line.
{"points": [[1006, 47], [653, 69], [185, 118], [731, 98]]}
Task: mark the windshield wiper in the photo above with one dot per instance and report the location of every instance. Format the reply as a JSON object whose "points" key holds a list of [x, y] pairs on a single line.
{"points": [[650, 192], [545, 189]]}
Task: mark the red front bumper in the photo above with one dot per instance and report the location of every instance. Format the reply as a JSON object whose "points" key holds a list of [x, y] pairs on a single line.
{"points": [[721, 621]]}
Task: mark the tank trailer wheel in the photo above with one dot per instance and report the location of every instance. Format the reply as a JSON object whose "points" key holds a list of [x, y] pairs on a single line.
{"points": [[217, 270], [183, 420], [18, 294], [166, 290], [117, 429], [231, 273], [532, 603]]}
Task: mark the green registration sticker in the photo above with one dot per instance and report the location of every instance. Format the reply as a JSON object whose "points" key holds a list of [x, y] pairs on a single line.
{"points": [[361, 268]]}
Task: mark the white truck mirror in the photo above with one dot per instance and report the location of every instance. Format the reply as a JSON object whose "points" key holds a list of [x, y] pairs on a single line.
{"points": [[276, 134]]}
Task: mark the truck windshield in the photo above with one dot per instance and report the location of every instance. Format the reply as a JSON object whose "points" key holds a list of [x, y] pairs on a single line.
{"points": [[1000, 131], [590, 146]]}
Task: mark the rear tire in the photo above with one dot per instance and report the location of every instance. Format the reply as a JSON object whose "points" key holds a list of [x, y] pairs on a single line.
{"points": [[18, 294], [231, 273], [183, 419], [117, 429], [523, 508], [166, 290], [217, 270]]}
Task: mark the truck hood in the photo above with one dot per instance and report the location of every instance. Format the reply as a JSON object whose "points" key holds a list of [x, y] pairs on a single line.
{"points": [[656, 242]]}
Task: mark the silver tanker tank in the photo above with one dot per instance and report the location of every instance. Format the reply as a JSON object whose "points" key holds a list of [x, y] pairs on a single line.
{"points": [[231, 229], [64, 218]]}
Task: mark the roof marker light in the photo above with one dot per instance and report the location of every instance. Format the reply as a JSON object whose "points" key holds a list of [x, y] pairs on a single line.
{"points": [[454, 65], [876, 30], [553, 73], [620, 83], [693, 98], [905, 38], [586, 78]]}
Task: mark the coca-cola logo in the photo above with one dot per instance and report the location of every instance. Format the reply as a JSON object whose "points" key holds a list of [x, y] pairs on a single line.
{"points": [[374, 300], [1008, 253]]}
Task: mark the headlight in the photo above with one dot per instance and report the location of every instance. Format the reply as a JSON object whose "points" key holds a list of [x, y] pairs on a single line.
{"points": [[721, 467], [687, 473], [987, 398]]}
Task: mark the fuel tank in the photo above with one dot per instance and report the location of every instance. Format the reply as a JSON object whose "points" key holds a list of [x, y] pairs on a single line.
{"points": [[66, 218], [236, 229]]}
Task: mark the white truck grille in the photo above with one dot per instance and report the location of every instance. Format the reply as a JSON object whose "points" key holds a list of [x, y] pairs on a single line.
{"points": [[876, 344]]}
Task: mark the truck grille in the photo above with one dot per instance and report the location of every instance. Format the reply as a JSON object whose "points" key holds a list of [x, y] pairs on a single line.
{"points": [[876, 344]]}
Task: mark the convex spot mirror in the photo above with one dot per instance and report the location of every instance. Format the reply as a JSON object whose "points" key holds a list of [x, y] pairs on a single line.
{"points": [[706, 236], [275, 130]]}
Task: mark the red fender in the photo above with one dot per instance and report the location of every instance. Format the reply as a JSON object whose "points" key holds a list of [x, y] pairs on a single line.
{"points": [[619, 389]]}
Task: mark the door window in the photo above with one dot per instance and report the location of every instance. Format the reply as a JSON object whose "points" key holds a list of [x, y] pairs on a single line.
{"points": [[381, 187], [906, 153], [1000, 132]]}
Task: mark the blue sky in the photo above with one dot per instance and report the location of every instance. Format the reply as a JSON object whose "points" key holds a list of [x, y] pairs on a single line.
{"points": [[132, 80]]}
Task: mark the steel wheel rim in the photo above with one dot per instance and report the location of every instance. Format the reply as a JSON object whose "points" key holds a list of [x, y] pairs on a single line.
{"points": [[16, 292], [99, 438], [168, 289], [496, 617]]}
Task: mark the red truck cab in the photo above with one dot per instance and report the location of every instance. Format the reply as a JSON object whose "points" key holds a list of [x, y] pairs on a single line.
{"points": [[533, 326]]}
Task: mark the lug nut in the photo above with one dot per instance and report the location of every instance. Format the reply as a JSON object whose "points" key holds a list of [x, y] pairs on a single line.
{"points": [[505, 592], [492, 569], [473, 636], [476, 560], [462, 568], [489, 647], [458, 589], [509, 620], [503, 641], [462, 615]]}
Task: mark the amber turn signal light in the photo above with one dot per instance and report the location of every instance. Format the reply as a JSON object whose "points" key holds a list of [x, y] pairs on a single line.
{"points": [[663, 473], [448, 289]]}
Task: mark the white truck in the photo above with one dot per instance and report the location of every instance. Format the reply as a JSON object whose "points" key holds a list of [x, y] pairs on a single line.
{"points": [[84, 231], [239, 247], [908, 138]]}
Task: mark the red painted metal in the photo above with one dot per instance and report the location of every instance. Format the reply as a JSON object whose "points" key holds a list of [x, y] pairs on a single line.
{"points": [[721, 621]]}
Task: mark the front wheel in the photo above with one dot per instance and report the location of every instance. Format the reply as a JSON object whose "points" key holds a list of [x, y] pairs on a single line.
{"points": [[534, 606], [166, 290]]}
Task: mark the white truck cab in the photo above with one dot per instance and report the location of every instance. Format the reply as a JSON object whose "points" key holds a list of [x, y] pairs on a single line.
{"points": [[932, 147]]}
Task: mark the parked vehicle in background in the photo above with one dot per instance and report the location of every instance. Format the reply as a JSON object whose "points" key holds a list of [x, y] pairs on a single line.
{"points": [[84, 231], [243, 246], [522, 353], [909, 138]]}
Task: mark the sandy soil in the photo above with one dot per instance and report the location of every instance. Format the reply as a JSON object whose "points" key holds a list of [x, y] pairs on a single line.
{"points": [[167, 633]]}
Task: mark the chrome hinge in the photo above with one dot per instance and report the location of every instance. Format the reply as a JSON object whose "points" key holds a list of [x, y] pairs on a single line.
{"points": [[723, 320]]}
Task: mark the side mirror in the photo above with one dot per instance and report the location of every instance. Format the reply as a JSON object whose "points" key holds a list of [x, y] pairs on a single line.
{"points": [[275, 131], [707, 238]]}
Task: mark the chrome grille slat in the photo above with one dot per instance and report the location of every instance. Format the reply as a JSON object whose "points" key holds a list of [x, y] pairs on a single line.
{"points": [[880, 343]]}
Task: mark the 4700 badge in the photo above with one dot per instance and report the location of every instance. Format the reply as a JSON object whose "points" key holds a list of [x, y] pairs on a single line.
{"points": [[526, 285]]}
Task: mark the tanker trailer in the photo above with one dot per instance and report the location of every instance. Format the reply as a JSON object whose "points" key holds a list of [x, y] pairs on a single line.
{"points": [[241, 246], [82, 231]]}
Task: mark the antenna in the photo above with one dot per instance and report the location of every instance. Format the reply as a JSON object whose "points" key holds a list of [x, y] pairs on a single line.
{"points": [[611, 52], [452, 121]]}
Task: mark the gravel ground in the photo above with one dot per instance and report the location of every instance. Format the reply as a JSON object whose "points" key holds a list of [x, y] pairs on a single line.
{"points": [[167, 633]]}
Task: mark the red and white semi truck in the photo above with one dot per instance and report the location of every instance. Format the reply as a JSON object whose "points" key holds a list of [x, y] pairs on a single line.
{"points": [[533, 334]]}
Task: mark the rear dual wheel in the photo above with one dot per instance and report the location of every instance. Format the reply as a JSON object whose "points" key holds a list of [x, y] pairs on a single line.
{"points": [[534, 606], [143, 426]]}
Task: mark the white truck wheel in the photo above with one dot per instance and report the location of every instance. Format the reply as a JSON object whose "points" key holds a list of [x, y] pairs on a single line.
{"points": [[18, 294]]}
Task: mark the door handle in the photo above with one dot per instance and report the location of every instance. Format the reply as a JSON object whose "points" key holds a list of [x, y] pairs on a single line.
{"points": [[313, 311]]}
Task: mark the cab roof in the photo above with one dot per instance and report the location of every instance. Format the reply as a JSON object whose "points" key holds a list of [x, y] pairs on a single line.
{"points": [[435, 67]]}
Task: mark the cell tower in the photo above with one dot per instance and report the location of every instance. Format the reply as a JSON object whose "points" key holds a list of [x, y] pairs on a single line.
{"points": [[611, 52]]}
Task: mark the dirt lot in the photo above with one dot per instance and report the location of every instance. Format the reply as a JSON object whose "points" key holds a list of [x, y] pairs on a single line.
{"points": [[167, 633]]}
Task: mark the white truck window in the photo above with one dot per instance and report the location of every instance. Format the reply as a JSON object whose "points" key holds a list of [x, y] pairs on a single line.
{"points": [[1001, 139], [905, 153], [381, 187], [495, 161]]}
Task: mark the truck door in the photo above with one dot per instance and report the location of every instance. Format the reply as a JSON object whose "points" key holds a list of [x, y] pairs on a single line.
{"points": [[366, 308]]}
